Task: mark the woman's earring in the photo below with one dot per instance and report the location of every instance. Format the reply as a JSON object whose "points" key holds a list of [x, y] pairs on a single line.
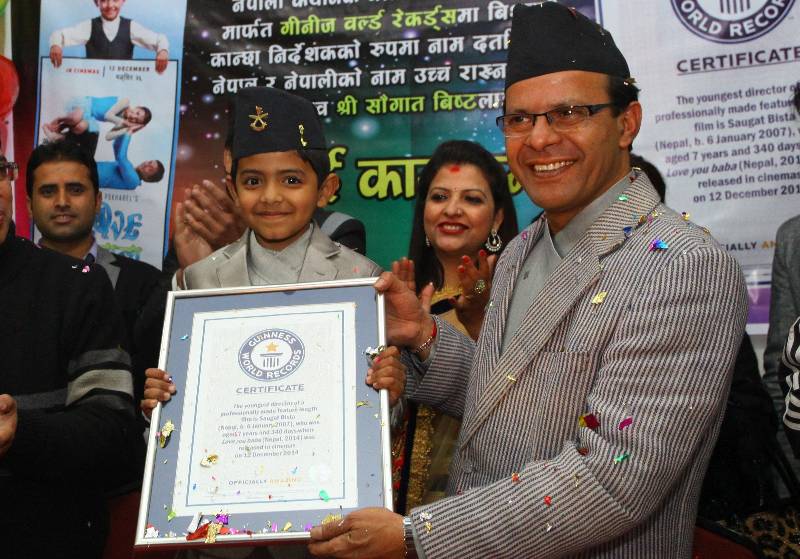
{"points": [[427, 242], [494, 243]]}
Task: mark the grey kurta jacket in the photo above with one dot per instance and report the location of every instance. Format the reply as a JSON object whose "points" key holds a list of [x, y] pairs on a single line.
{"points": [[527, 480], [324, 261]]}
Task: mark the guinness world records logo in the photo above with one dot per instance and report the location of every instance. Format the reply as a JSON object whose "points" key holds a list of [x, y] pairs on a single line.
{"points": [[271, 355], [731, 21]]}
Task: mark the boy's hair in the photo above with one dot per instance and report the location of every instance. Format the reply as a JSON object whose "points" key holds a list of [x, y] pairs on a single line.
{"points": [[147, 115], [317, 158], [60, 151], [157, 175]]}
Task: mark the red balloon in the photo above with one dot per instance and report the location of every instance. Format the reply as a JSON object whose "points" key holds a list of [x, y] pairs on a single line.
{"points": [[9, 85]]}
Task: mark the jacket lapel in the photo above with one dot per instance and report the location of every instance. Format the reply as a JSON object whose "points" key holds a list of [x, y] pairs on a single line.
{"points": [[232, 267], [568, 283], [317, 265]]}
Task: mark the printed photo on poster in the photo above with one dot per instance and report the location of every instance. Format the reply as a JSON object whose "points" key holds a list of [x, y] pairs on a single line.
{"points": [[110, 109]]}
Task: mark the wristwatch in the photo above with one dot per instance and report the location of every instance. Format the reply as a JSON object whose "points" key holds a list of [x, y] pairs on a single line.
{"points": [[408, 535]]}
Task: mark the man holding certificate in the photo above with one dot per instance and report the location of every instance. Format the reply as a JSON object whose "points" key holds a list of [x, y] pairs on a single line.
{"points": [[593, 396]]}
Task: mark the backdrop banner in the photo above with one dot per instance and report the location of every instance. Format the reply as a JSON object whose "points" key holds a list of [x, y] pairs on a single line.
{"points": [[718, 118], [101, 85], [391, 81]]}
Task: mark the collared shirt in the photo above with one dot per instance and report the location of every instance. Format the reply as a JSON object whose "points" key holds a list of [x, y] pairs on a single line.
{"points": [[547, 254], [91, 255], [79, 35], [270, 267]]}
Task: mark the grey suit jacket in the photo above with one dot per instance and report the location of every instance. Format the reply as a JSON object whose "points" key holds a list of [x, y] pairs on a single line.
{"points": [[784, 304], [324, 261], [527, 479]]}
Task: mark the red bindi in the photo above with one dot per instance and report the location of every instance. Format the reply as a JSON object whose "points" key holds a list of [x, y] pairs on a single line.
{"points": [[454, 168]]}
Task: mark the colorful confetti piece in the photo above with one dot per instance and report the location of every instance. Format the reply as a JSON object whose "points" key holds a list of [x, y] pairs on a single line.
{"points": [[625, 423], [170, 515], [621, 458], [622, 198], [222, 519], [86, 269], [362, 404], [589, 420], [428, 527], [214, 529], [628, 231], [658, 244], [583, 451], [331, 518], [287, 527], [599, 298], [524, 235], [515, 477], [185, 337], [150, 531], [548, 527], [686, 216], [577, 479], [324, 496], [425, 516], [511, 378], [165, 433], [548, 500], [209, 460]]}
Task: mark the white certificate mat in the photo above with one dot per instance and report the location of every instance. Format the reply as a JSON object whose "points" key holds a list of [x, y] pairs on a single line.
{"points": [[269, 411]]}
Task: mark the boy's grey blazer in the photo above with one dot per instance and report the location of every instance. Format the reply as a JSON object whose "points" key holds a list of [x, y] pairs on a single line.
{"points": [[528, 480], [324, 261]]}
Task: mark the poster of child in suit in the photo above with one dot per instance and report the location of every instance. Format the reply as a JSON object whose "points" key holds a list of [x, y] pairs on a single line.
{"points": [[109, 80], [112, 30], [110, 108]]}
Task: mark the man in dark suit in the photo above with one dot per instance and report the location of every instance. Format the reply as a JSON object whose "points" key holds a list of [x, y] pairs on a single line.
{"points": [[63, 198]]}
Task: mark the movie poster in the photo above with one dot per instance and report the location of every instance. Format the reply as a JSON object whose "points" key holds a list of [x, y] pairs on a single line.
{"points": [[109, 79]]}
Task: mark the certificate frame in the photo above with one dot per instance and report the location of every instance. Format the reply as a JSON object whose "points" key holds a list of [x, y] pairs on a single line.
{"points": [[246, 492]]}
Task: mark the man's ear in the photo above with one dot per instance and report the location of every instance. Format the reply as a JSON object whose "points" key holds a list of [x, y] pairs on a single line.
{"points": [[98, 201], [630, 120], [327, 189]]}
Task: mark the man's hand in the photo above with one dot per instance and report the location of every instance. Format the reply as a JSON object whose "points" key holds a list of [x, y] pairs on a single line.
{"points": [[162, 58], [56, 55], [189, 246], [476, 284], [373, 533], [158, 387], [214, 215], [408, 324], [8, 422], [388, 372]]}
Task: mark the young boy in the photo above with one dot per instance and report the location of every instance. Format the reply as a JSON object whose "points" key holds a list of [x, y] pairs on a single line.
{"points": [[280, 175], [86, 113]]}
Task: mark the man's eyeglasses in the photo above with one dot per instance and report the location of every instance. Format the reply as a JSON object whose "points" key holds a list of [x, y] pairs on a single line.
{"points": [[8, 170], [560, 119]]}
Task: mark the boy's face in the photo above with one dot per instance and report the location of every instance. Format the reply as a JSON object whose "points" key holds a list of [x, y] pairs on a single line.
{"points": [[277, 194], [136, 115], [109, 9]]}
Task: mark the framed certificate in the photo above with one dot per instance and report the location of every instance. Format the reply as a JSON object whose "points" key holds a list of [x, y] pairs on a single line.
{"points": [[272, 429]]}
